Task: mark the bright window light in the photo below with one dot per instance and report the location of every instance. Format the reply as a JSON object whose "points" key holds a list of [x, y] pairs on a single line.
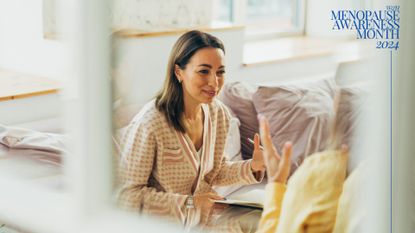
{"points": [[263, 18]]}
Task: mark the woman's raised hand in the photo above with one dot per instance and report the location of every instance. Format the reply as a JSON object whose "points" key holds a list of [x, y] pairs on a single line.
{"points": [[257, 156], [278, 168]]}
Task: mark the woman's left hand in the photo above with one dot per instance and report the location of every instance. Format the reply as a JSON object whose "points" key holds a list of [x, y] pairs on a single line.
{"points": [[257, 156]]}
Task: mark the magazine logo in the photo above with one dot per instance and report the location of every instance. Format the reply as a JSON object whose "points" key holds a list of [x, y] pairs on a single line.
{"points": [[380, 25]]}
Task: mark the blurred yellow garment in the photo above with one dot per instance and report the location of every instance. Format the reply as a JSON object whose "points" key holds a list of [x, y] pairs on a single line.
{"points": [[350, 218], [309, 203]]}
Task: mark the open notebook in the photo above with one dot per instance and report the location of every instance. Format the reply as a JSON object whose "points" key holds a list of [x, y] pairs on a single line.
{"points": [[253, 198]]}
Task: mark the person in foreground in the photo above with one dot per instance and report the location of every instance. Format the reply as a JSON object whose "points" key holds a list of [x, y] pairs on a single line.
{"points": [[173, 150], [309, 202]]}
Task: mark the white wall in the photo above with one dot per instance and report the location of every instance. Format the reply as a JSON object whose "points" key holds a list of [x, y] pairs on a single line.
{"points": [[22, 46], [161, 14]]}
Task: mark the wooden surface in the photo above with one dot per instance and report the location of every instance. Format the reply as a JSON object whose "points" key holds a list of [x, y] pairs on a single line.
{"points": [[15, 85], [292, 48], [135, 33]]}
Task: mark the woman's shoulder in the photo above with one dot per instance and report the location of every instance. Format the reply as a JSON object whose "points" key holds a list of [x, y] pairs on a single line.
{"points": [[148, 115], [323, 169], [219, 108]]}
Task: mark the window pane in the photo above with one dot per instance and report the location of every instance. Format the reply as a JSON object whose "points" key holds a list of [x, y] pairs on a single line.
{"points": [[259, 9], [222, 10], [270, 15]]}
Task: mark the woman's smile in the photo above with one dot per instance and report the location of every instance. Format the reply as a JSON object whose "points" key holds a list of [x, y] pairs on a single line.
{"points": [[210, 93]]}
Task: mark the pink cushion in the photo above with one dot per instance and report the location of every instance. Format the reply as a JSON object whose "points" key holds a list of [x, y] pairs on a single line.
{"points": [[238, 97], [300, 113]]}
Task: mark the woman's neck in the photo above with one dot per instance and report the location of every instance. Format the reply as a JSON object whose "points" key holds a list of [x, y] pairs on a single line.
{"points": [[192, 109]]}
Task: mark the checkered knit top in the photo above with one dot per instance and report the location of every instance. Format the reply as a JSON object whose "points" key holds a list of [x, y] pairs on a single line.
{"points": [[160, 166]]}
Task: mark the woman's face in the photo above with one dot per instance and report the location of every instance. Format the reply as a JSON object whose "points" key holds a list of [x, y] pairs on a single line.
{"points": [[203, 76]]}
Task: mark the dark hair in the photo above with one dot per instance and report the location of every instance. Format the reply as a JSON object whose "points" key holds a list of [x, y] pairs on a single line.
{"points": [[169, 100]]}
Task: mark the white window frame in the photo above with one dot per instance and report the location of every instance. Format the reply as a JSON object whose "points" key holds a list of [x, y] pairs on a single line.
{"points": [[239, 17]]}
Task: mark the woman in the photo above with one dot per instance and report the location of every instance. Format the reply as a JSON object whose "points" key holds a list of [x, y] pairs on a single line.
{"points": [[173, 151]]}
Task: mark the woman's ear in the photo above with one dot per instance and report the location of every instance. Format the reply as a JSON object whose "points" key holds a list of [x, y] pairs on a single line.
{"points": [[178, 72]]}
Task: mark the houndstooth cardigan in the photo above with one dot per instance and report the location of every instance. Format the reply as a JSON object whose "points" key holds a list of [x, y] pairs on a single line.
{"points": [[160, 167]]}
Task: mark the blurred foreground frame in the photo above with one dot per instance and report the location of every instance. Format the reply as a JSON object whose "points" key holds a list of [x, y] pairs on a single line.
{"points": [[49, 20]]}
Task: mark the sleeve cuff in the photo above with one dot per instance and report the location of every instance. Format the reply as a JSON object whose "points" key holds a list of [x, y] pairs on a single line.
{"points": [[179, 207], [249, 176]]}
